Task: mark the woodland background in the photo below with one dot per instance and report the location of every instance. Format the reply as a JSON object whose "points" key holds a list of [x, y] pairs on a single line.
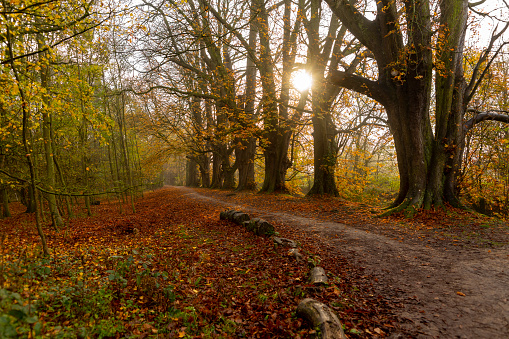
{"points": [[110, 98], [106, 99], [100, 101]]}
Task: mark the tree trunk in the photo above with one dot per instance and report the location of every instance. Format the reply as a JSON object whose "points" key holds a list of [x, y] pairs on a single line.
{"points": [[48, 144], [192, 179], [325, 154], [4, 197], [449, 90], [204, 166], [413, 141], [276, 134], [246, 153], [31, 204], [456, 144], [26, 147], [245, 159], [276, 161], [217, 176], [323, 94]]}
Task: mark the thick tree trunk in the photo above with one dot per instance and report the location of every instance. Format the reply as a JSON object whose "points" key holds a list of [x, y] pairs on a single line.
{"points": [[204, 164], [245, 160], [245, 154], [223, 174], [412, 138], [217, 176], [276, 161], [456, 144], [276, 136], [325, 154], [449, 90], [323, 94], [228, 175], [192, 179]]}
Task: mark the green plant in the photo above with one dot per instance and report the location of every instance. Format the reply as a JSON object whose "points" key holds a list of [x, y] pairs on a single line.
{"points": [[314, 260], [18, 315], [263, 297]]}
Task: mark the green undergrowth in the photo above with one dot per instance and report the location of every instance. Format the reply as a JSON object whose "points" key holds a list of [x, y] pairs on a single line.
{"points": [[181, 283]]}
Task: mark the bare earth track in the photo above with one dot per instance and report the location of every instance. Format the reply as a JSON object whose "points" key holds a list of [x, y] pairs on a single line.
{"points": [[441, 290]]}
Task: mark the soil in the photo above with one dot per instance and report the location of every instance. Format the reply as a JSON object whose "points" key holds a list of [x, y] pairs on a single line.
{"points": [[447, 275]]}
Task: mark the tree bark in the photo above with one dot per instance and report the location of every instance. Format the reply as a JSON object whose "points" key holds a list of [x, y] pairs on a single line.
{"points": [[324, 131], [450, 89], [48, 144], [245, 154], [192, 179], [4, 197]]}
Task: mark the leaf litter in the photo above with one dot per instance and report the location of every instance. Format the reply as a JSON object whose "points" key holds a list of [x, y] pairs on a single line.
{"points": [[172, 270], [175, 270]]}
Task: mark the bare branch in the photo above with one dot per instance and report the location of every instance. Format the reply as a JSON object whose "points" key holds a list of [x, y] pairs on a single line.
{"points": [[494, 115], [175, 91], [475, 4], [359, 84], [475, 81]]}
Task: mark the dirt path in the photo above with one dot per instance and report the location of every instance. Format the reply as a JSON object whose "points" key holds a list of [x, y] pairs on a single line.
{"points": [[443, 292]]}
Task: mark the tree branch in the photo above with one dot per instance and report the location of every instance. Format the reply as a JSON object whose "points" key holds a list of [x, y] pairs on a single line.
{"points": [[362, 28], [8, 60], [476, 81], [358, 84], [494, 115], [475, 4], [173, 90]]}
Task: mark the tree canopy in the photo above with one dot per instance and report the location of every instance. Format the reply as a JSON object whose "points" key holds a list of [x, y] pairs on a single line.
{"points": [[105, 98]]}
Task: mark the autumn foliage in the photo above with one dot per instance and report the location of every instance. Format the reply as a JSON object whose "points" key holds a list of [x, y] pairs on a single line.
{"points": [[172, 269]]}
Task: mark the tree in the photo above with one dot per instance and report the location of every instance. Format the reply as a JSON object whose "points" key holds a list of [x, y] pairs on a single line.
{"points": [[401, 39], [47, 132], [278, 124]]}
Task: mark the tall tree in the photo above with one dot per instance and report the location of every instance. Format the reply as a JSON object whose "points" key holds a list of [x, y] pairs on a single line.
{"points": [[400, 39], [278, 125], [47, 127]]}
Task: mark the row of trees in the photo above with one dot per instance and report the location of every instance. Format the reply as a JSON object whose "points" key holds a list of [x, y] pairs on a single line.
{"points": [[65, 131], [227, 67], [97, 96]]}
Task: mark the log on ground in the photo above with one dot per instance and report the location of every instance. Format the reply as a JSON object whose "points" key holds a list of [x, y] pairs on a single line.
{"points": [[321, 317]]}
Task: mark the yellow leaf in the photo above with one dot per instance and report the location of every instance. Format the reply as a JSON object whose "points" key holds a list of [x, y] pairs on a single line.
{"points": [[461, 293], [181, 334]]}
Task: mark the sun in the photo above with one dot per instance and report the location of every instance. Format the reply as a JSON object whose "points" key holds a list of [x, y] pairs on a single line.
{"points": [[301, 80]]}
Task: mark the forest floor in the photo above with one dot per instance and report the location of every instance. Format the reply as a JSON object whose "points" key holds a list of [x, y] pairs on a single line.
{"points": [[174, 270], [445, 273]]}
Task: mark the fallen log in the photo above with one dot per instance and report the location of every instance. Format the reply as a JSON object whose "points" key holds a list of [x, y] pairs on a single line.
{"points": [[322, 318], [239, 217], [259, 227], [317, 276], [284, 242], [294, 252]]}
